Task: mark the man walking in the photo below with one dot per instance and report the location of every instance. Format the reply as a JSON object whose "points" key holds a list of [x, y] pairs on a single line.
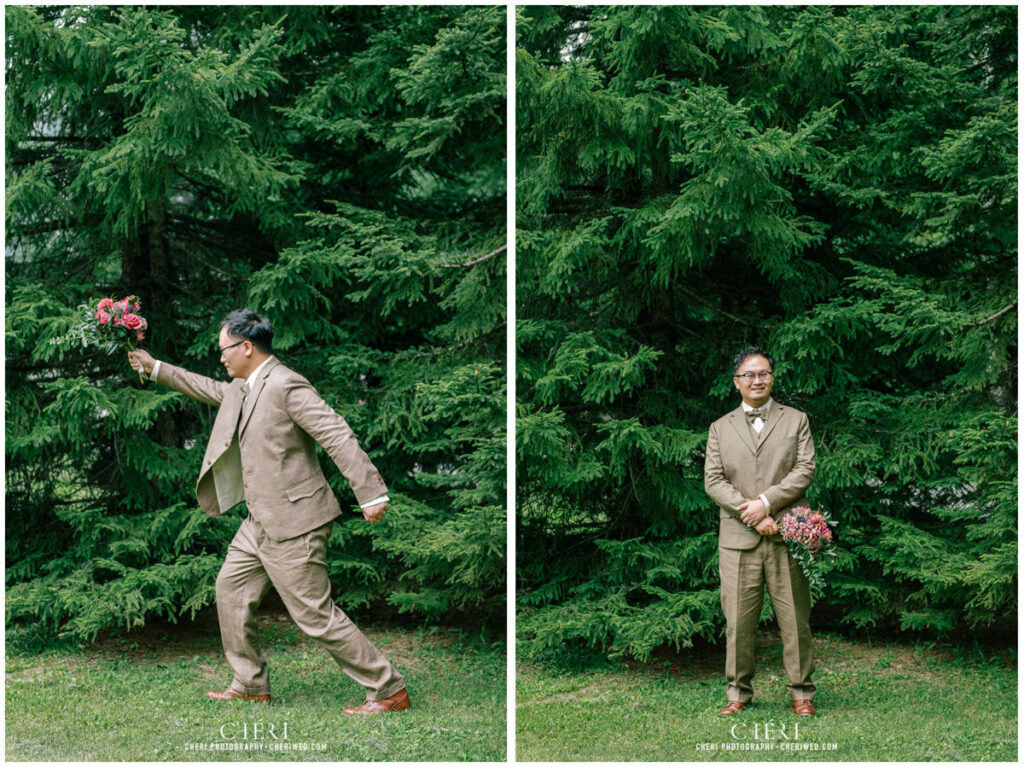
{"points": [[262, 451], [759, 462]]}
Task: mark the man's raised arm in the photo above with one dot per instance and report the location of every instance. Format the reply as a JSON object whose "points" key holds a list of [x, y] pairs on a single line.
{"points": [[206, 390]]}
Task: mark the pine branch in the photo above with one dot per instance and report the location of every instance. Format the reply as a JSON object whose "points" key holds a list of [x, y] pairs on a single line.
{"points": [[48, 227], [54, 139], [993, 317], [457, 347], [475, 261], [718, 309]]}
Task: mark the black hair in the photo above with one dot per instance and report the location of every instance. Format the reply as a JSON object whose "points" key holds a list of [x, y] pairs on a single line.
{"points": [[249, 326], [746, 353]]}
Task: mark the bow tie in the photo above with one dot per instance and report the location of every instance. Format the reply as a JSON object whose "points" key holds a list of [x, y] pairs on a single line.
{"points": [[753, 415]]}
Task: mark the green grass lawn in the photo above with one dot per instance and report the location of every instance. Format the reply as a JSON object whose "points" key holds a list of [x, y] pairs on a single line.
{"points": [[884, 702], [142, 698]]}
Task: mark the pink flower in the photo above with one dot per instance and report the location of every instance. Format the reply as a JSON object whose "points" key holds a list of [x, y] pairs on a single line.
{"points": [[103, 317], [132, 321], [362, 402], [105, 303]]}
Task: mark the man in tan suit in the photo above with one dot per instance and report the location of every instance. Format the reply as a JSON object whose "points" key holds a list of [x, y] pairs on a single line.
{"points": [[262, 451], [759, 462]]}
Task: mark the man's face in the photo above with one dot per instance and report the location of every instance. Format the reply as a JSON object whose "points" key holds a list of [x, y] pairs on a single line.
{"points": [[756, 392], [236, 359]]}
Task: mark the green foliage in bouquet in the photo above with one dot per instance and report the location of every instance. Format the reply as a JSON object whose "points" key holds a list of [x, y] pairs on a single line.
{"points": [[340, 170], [837, 185]]}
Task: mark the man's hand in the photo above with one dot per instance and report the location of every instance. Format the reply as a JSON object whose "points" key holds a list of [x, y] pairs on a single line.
{"points": [[375, 513], [767, 526], [140, 357], [752, 512]]}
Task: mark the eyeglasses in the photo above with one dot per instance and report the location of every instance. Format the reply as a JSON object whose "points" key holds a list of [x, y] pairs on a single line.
{"points": [[223, 349], [764, 375]]}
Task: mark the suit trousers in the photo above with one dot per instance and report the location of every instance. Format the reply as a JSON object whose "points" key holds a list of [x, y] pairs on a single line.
{"points": [[744, 574], [297, 568]]}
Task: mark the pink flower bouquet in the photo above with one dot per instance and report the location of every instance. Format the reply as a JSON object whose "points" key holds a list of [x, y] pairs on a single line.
{"points": [[808, 536], [123, 314], [111, 325]]}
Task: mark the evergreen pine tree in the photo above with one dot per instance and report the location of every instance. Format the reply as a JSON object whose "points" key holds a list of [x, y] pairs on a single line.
{"points": [[340, 170], [836, 185]]}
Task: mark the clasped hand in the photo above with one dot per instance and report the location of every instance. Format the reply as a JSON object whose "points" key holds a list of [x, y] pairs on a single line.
{"points": [[754, 513]]}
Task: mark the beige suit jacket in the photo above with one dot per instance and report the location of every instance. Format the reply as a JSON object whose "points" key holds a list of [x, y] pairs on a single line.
{"points": [[738, 468], [265, 453]]}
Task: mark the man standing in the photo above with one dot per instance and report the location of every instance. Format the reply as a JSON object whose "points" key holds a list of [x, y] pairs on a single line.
{"points": [[759, 462], [262, 451]]}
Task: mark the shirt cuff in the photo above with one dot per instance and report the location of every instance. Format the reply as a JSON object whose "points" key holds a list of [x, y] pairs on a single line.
{"points": [[767, 506], [156, 369], [374, 502]]}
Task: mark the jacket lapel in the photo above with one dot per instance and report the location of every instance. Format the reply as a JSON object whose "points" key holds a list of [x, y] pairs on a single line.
{"points": [[775, 414], [738, 419], [225, 426], [231, 406], [254, 395]]}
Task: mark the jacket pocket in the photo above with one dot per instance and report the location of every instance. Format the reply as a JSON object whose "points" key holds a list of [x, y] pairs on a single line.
{"points": [[303, 489]]}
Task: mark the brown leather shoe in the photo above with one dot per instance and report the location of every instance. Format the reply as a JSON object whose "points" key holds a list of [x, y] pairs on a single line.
{"points": [[733, 707], [802, 707], [231, 694], [397, 702]]}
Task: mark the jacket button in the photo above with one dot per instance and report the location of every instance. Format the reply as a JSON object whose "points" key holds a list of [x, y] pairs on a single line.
{"points": [[227, 444]]}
